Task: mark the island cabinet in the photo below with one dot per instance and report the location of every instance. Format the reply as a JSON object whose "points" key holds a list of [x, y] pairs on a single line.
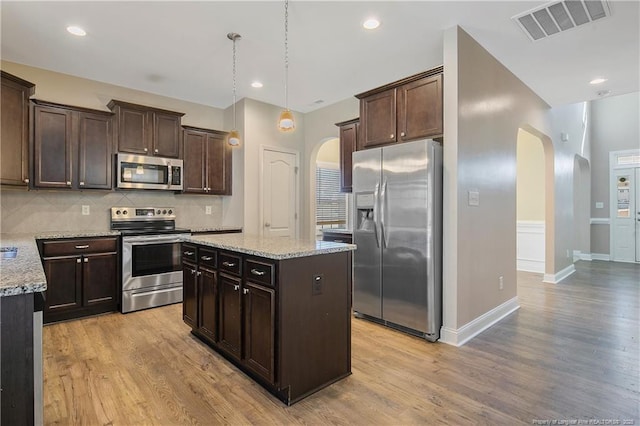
{"points": [[348, 143], [14, 129], [72, 147], [402, 111], [145, 130], [207, 161], [284, 322], [82, 277]]}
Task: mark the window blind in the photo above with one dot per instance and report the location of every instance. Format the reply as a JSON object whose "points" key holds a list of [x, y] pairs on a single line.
{"points": [[330, 202]]}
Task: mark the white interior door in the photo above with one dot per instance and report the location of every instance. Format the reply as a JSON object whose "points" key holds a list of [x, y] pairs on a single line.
{"points": [[623, 214], [279, 193], [637, 212]]}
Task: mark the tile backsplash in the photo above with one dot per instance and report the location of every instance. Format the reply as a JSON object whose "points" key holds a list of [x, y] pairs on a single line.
{"points": [[45, 211]]}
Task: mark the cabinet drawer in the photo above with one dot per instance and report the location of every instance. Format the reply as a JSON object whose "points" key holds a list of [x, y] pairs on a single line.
{"points": [[260, 272], [207, 258], [229, 263], [79, 246], [189, 253]]}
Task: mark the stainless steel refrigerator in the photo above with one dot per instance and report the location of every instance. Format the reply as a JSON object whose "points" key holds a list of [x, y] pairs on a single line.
{"points": [[397, 277]]}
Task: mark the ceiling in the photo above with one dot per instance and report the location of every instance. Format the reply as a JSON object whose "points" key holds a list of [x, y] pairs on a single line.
{"points": [[180, 49]]}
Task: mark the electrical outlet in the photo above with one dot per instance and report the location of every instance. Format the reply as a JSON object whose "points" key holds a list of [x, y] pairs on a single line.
{"points": [[501, 282], [317, 285], [207, 209], [85, 211]]}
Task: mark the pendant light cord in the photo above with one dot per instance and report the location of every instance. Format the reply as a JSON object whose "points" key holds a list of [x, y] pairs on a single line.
{"points": [[234, 83], [286, 54]]}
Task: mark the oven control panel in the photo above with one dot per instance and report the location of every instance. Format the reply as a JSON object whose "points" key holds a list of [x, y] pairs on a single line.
{"points": [[142, 213]]}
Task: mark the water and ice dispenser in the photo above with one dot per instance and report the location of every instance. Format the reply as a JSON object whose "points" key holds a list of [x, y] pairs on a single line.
{"points": [[364, 212]]}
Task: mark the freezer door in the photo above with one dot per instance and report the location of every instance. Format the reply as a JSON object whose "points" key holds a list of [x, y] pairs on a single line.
{"points": [[409, 237], [367, 272]]}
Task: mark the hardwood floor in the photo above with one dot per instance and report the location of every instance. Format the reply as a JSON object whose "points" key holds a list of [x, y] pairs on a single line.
{"points": [[570, 352]]}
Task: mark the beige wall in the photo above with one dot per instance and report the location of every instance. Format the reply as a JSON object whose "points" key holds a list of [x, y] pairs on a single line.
{"points": [[530, 177], [50, 210], [615, 127], [329, 152], [484, 106]]}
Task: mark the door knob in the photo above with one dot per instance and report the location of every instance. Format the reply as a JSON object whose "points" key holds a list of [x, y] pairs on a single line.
{"points": [[267, 224]]}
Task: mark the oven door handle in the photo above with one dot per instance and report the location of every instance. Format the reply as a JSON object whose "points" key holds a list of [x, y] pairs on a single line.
{"points": [[152, 239]]}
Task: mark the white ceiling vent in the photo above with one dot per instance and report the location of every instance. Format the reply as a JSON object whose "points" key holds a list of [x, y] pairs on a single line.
{"points": [[555, 17]]}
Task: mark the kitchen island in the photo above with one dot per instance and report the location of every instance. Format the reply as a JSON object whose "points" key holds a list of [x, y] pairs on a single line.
{"points": [[278, 308]]}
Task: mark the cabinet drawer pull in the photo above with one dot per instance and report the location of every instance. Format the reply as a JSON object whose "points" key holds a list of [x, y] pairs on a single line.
{"points": [[78, 260], [245, 291], [206, 257], [257, 272], [228, 264], [198, 273], [86, 260], [68, 183], [86, 246], [193, 271], [188, 253], [236, 287], [81, 183]]}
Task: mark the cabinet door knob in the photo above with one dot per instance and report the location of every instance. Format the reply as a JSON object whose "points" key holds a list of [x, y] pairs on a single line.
{"points": [[198, 273], [391, 136], [193, 271], [155, 150], [402, 134], [26, 181], [68, 183], [81, 183], [267, 224], [146, 150], [78, 260], [245, 291], [86, 260], [236, 287]]}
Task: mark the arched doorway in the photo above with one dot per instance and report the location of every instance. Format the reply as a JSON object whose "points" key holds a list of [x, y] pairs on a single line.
{"points": [[545, 240]]}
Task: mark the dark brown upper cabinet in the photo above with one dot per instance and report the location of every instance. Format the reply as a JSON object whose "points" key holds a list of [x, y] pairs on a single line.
{"points": [[402, 111], [14, 129], [207, 161], [348, 143], [147, 131], [72, 147]]}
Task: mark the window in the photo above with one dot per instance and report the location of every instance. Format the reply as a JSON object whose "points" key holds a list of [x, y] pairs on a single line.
{"points": [[331, 206]]}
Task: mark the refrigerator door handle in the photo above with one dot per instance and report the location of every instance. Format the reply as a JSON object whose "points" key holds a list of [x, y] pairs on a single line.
{"points": [[376, 222], [383, 213]]}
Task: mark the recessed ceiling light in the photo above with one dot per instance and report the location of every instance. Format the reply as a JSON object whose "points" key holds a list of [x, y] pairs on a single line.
{"points": [[75, 30], [256, 84], [371, 24], [598, 80]]}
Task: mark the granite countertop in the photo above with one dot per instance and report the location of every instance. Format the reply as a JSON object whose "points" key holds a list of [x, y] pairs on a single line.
{"points": [[22, 274], [220, 229], [337, 231], [277, 248]]}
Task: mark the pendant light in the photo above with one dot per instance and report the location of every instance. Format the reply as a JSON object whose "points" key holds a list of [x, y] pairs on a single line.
{"points": [[234, 136], [286, 122]]}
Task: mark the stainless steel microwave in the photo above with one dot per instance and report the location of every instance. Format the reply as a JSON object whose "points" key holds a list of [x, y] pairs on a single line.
{"points": [[145, 172]]}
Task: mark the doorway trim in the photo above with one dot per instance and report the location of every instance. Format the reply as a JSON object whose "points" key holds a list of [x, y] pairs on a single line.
{"points": [[613, 167]]}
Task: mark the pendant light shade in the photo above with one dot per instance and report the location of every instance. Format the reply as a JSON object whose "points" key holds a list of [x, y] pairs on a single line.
{"points": [[234, 135], [286, 123]]}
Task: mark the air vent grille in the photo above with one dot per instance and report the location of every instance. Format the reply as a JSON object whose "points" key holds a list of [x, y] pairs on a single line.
{"points": [[555, 17]]}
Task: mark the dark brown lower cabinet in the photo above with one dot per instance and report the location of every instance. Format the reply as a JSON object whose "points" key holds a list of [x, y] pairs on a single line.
{"points": [[286, 323], [82, 277]]}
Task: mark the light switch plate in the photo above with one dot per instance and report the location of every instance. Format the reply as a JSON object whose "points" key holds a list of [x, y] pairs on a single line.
{"points": [[85, 210], [207, 209], [474, 197]]}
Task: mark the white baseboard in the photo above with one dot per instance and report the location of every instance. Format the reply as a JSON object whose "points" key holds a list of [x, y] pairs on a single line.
{"points": [[530, 265], [470, 330], [578, 255], [559, 276], [600, 256]]}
